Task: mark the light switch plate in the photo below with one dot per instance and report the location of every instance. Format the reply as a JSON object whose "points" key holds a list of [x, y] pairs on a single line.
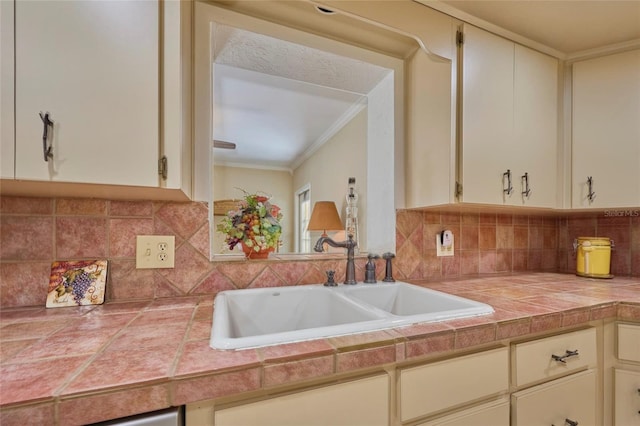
{"points": [[155, 251]]}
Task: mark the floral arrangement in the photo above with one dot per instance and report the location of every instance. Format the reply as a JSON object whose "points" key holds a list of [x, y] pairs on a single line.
{"points": [[255, 224]]}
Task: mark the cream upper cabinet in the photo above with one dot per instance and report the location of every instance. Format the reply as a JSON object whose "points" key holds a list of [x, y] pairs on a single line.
{"points": [[606, 131], [91, 68], [509, 120]]}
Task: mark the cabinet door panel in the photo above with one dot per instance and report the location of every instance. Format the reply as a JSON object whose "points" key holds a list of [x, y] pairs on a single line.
{"points": [[572, 397], [7, 147], [629, 342], [93, 65], [490, 414], [535, 136], [534, 361], [606, 133], [627, 398], [487, 115], [360, 402], [434, 387]]}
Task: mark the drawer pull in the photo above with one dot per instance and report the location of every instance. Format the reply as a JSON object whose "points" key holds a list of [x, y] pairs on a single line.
{"points": [[568, 422], [562, 358]]}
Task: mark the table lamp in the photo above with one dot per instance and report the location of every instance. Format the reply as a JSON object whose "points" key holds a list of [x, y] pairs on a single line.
{"points": [[325, 217]]}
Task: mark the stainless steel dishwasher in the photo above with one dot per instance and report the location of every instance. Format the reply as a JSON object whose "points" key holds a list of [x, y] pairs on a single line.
{"points": [[173, 416]]}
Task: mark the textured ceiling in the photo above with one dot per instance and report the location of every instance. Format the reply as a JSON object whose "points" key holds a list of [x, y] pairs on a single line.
{"points": [[276, 100], [268, 55]]}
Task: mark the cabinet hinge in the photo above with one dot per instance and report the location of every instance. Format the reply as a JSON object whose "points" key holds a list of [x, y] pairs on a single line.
{"points": [[162, 167], [458, 189], [459, 38]]}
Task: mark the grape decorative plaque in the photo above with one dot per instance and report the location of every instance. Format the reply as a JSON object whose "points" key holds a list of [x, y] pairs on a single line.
{"points": [[77, 283]]}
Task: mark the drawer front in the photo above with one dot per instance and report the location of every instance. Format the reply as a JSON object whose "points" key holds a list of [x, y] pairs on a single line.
{"points": [[629, 342], [434, 387], [627, 398], [535, 361], [360, 402], [491, 414], [572, 397]]}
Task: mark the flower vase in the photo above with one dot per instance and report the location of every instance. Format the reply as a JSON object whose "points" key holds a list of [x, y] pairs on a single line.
{"points": [[250, 253]]}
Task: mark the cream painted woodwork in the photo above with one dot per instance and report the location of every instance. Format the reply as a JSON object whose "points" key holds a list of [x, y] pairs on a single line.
{"points": [[509, 122], [626, 410], [429, 163], [94, 67], [7, 146], [606, 131], [438, 386], [627, 398], [495, 413], [533, 360], [359, 402], [629, 342], [552, 403]]}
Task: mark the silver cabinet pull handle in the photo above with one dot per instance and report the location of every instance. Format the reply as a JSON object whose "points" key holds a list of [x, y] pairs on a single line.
{"points": [[46, 147], [591, 195], [509, 189], [567, 354], [525, 181]]}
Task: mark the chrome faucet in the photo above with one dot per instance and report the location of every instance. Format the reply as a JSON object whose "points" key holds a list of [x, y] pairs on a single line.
{"points": [[350, 245]]}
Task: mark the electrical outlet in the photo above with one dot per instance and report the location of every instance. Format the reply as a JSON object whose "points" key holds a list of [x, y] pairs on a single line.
{"points": [[444, 244], [155, 251]]}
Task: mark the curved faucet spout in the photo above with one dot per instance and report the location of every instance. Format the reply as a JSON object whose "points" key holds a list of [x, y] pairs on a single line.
{"points": [[350, 245]]}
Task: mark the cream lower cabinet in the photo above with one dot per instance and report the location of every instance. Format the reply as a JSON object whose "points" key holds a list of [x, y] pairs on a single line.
{"points": [[440, 387], [494, 413], [627, 398], [626, 410], [568, 401], [359, 402], [558, 380]]}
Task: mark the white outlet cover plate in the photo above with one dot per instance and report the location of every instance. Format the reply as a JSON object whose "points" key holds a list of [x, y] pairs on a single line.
{"points": [[443, 250], [150, 253]]}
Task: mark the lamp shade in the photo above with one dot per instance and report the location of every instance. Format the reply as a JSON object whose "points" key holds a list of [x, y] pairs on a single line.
{"points": [[324, 217]]}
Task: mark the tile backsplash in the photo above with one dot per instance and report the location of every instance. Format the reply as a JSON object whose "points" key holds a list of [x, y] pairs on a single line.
{"points": [[36, 231]]}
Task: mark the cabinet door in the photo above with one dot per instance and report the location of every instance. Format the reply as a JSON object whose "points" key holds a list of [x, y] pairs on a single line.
{"points": [[93, 66], [487, 115], [627, 398], [435, 387], [491, 414], [360, 402], [7, 146], [572, 398], [534, 144], [606, 133]]}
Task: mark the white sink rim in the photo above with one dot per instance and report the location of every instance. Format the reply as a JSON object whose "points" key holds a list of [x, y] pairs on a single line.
{"points": [[380, 319]]}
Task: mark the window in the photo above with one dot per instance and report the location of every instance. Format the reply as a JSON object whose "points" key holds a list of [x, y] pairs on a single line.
{"points": [[302, 216]]}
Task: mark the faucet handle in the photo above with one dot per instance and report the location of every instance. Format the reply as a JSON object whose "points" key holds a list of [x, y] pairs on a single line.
{"points": [[331, 282]]}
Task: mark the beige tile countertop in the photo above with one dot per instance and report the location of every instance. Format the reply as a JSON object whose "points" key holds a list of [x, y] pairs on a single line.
{"points": [[69, 366]]}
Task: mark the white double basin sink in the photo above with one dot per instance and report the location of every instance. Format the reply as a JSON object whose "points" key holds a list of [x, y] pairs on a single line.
{"points": [[267, 316]]}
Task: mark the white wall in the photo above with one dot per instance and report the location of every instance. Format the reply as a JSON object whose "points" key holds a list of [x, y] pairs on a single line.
{"points": [[329, 169]]}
